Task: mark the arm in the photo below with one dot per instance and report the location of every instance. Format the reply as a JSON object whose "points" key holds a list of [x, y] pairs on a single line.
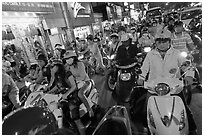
{"points": [[145, 67], [190, 44], [14, 94], [72, 83], [39, 78]]}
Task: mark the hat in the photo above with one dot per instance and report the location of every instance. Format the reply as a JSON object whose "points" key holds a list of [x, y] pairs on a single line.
{"points": [[69, 54]]}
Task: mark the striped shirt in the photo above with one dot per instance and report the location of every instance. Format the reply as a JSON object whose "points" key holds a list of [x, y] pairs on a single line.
{"points": [[181, 42]]}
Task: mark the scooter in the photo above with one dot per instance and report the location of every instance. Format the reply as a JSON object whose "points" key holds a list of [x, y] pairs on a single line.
{"points": [[166, 113], [51, 101], [115, 122]]}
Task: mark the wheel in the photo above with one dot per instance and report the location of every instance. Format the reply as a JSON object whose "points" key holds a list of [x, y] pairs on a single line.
{"points": [[110, 84]]}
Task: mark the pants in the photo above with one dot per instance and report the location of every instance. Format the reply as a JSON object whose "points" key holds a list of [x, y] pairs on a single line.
{"points": [[192, 125]]}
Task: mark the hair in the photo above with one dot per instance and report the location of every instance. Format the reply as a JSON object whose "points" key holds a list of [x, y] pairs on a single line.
{"points": [[60, 72]]}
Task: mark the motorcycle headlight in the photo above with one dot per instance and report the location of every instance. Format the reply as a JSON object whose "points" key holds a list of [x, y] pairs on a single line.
{"points": [[182, 121], [162, 89], [125, 76], [184, 54], [147, 49]]}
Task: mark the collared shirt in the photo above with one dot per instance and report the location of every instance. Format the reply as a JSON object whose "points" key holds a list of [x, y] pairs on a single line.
{"points": [[181, 42], [156, 66]]}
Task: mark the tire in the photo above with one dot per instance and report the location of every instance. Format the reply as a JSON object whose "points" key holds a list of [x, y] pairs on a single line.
{"points": [[187, 95], [109, 86]]}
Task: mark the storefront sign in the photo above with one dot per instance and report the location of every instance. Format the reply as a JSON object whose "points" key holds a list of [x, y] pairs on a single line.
{"points": [[28, 6], [76, 8]]}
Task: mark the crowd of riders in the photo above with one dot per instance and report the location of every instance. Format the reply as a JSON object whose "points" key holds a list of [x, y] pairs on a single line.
{"points": [[64, 71]]}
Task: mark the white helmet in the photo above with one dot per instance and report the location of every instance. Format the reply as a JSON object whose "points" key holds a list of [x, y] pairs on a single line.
{"points": [[163, 34], [6, 66]]}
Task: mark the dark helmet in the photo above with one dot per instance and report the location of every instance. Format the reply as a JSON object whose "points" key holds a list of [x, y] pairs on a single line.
{"points": [[90, 37], [42, 57], [121, 28], [171, 18], [178, 23], [28, 121]]}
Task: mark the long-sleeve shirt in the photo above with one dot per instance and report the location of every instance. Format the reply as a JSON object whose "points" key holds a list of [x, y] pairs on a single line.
{"points": [[156, 66]]}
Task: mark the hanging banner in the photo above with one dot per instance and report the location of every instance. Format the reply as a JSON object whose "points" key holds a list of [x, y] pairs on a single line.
{"points": [[28, 6]]}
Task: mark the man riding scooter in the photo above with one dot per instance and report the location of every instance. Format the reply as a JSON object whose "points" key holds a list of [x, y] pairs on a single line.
{"points": [[163, 61]]}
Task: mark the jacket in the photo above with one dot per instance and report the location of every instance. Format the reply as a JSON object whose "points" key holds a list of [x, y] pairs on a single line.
{"points": [[156, 66]]}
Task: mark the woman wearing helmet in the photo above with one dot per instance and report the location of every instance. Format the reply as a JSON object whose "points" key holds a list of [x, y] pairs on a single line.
{"points": [[77, 69], [160, 62], [181, 40]]}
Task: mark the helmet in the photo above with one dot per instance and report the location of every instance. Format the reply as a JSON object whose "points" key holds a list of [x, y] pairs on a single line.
{"points": [[171, 18], [56, 61], [178, 23], [31, 120], [90, 37], [121, 28], [42, 57], [144, 29], [6, 65], [163, 35], [114, 35], [69, 54], [96, 39], [33, 66]]}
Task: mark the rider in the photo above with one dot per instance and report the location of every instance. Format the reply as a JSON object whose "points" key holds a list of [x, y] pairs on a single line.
{"points": [[181, 40], [163, 62], [95, 51], [9, 88], [146, 40], [82, 79], [114, 44], [44, 70], [126, 52]]}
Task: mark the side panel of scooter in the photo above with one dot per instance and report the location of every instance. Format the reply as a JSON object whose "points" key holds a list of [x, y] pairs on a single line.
{"points": [[35, 96], [170, 108]]}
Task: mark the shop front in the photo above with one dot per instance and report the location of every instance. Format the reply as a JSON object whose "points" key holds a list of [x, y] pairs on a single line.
{"points": [[21, 26], [82, 17]]}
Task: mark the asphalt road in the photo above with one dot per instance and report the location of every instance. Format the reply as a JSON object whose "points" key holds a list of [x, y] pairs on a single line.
{"points": [[106, 101]]}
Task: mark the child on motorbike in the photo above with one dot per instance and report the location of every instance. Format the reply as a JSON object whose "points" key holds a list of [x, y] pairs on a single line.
{"points": [[82, 79], [161, 62]]}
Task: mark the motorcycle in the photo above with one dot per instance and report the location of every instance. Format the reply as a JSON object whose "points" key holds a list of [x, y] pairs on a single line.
{"points": [[30, 121], [52, 102], [115, 122], [110, 82], [166, 113]]}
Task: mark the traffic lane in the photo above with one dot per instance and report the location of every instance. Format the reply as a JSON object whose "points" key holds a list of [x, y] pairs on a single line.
{"points": [[196, 109]]}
